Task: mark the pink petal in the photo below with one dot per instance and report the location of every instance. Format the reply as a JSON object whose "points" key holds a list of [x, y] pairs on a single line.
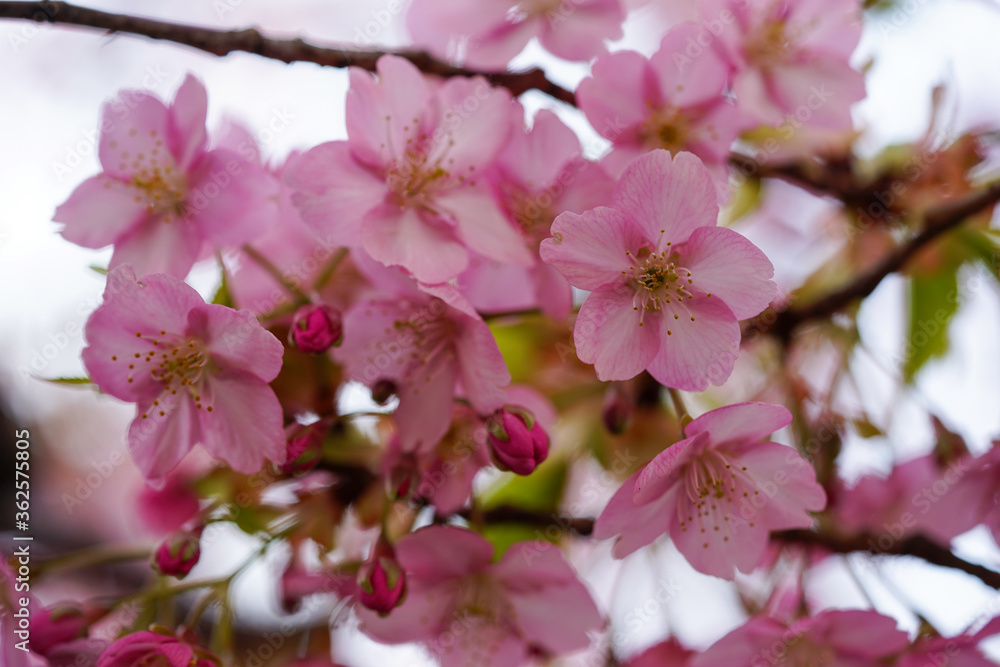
{"points": [[99, 211], [608, 334], [383, 114], [860, 633], [474, 124], [556, 615], [425, 405], [439, 553], [483, 227], [659, 475], [697, 353], [742, 422], [554, 294], [758, 634], [579, 32], [614, 96], [177, 654], [244, 428], [715, 539], [492, 50], [537, 157], [826, 88], [482, 370], [481, 644], [648, 523], [420, 618], [590, 249], [403, 236], [157, 246], [437, 24], [188, 136], [787, 481], [236, 340], [334, 192], [754, 95], [686, 81], [531, 566], [132, 125], [669, 197], [231, 200], [620, 511], [159, 442]]}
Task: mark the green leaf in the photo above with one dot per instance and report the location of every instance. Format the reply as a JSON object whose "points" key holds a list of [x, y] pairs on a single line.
{"points": [[933, 303], [68, 381], [223, 297], [505, 535], [541, 491], [982, 245], [745, 200]]}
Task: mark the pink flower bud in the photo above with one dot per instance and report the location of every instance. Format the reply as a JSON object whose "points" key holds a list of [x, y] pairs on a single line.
{"points": [[381, 581], [178, 554], [617, 411], [518, 442], [304, 447], [316, 328], [59, 624]]}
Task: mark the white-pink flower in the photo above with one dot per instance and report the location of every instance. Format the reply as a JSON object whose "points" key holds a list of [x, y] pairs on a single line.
{"points": [[407, 185], [665, 101], [163, 196], [197, 372], [790, 58], [468, 610], [486, 35], [718, 493], [668, 286]]}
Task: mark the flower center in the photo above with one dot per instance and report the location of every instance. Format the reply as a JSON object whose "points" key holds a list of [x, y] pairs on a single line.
{"points": [[418, 171], [659, 283], [532, 216], [480, 596], [159, 183], [432, 347], [769, 45], [178, 363], [665, 129], [712, 484]]}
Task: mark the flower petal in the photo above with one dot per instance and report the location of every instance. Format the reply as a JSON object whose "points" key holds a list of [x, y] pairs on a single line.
{"points": [[100, 211], [158, 246], [403, 236], [236, 340], [608, 334], [244, 428], [741, 422], [188, 135], [590, 249], [134, 124], [482, 369], [160, 441], [696, 353]]}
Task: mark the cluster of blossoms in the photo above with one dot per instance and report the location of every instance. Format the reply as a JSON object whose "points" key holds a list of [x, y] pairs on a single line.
{"points": [[387, 258]]}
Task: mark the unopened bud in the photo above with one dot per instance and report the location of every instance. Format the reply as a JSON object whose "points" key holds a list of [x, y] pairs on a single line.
{"points": [[304, 447], [617, 410], [518, 442], [178, 554], [381, 581], [316, 328]]}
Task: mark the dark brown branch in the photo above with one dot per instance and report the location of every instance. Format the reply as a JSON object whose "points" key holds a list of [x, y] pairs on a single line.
{"points": [[224, 42], [917, 546], [937, 221]]}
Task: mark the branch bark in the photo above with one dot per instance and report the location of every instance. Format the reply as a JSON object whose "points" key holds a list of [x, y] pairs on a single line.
{"points": [[250, 40], [937, 222]]}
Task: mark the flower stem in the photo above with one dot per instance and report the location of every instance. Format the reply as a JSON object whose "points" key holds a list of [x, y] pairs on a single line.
{"points": [[679, 408], [331, 267], [265, 263]]}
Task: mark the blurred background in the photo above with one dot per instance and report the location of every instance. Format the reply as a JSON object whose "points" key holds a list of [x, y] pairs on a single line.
{"points": [[53, 81]]}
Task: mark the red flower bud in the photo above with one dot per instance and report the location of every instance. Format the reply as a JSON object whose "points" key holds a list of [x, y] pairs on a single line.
{"points": [[316, 328], [304, 447], [518, 442], [381, 581], [57, 625], [178, 554], [617, 411]]}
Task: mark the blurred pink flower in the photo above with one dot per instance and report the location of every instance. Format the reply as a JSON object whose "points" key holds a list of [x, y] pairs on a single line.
{"points": [[165, 510], [163, 195], [668, 286], [408, 184], [667, 653], [790, 58], [719, 493], [841, 638], [540, 173], [196, 371], [156, 648], [641, 104], [959, 651], [468, 610], [430, 350], [316, 327], [487, 35]]}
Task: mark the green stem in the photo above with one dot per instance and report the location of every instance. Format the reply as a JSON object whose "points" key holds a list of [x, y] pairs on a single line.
{"points": [[679, 409], [331, 267], [526, 312], [91, 558], [265, 263]]}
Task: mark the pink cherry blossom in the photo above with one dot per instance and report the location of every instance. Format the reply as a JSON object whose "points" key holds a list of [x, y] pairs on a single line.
{"points": [[790, 58], [316, 328], [841, 638], [718, 493], [156, 648], [196, 371], [669, 653], [665, 101], [468, 610], [432, 345], [668, 286], [959, 651], [487, 35], [407, 185], [166, 509], [539, 174], [163, 197]]}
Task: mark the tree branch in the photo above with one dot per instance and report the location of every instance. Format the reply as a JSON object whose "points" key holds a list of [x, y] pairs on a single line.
{"points": [[937, 222], [224, 42]]}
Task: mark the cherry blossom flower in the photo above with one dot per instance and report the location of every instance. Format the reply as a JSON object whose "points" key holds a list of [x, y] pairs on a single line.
{"points": [[196, 372], [959, 651], [487, 35], [407, 185], [669, 653], [718, 493], [790, 58], [667, 285], [163, 197], [851, 638], [156, 648], [431, 344], [178, 554], [539, 174], [642, 104], [468, 610]]}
